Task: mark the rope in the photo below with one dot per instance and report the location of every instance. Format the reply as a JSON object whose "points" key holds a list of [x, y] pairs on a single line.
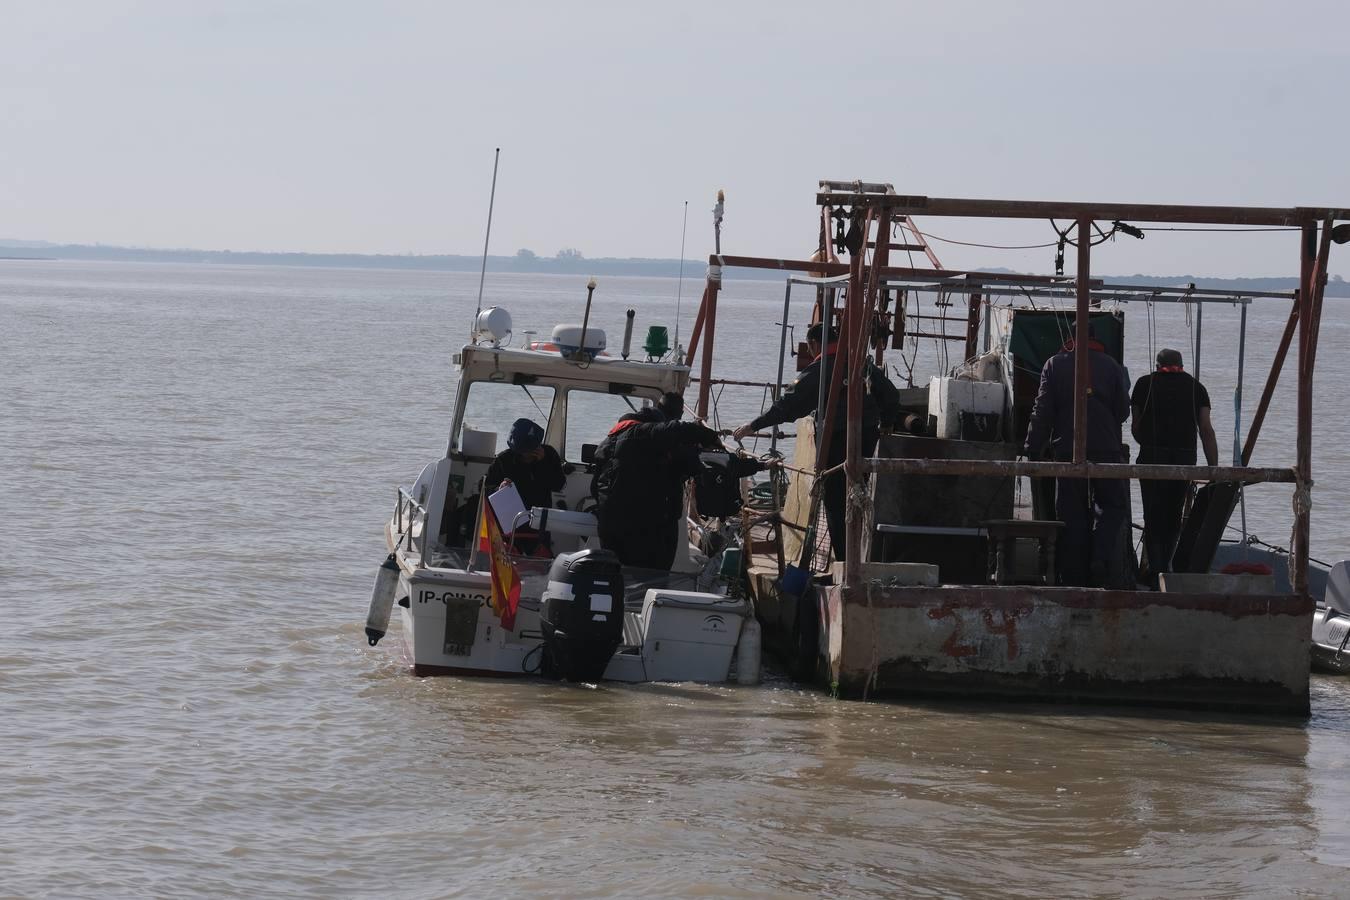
{"points": [[1302, 503]]}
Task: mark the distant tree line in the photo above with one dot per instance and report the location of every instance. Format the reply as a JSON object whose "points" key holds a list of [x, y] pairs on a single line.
{"points": [[568, 260]]}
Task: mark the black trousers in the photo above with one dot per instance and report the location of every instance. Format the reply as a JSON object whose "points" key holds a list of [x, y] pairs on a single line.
{"points": [[646, 542], [1091, 549], [1163, 503]]}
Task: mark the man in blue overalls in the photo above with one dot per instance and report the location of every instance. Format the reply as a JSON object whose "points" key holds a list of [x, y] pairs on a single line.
{"points": [[1094, 511]]}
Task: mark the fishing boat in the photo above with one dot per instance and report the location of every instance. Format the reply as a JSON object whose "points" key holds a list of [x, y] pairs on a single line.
{"points": [[949, 587], [579, 614]]}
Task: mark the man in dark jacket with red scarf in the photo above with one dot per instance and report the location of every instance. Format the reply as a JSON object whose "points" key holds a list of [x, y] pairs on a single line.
{"points": [[1090, 548], [881, 408], [640, 471]]}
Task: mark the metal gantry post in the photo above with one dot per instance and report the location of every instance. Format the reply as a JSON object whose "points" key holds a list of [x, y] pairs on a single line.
{"points": [[1081, 375], [973, 326], [710, 327], [1272, 379], [1298, 565]]}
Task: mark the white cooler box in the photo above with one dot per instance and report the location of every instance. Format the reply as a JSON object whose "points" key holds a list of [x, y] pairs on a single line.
{"points": [[690, 636]]}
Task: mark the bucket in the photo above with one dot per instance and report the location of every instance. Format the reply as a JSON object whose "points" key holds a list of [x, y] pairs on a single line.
{"points": [[794, 579]]}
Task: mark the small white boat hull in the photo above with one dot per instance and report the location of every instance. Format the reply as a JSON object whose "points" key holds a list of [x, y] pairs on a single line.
{"points": [[450, 628]]}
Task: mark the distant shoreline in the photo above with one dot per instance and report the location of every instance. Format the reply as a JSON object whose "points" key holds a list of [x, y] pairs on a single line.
{"points": [[527, 264]]}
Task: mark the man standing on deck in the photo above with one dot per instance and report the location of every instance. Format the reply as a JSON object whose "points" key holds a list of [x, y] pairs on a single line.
{"points": [[640, 470], [1169, 408], [1091, 548], [881, 409]]}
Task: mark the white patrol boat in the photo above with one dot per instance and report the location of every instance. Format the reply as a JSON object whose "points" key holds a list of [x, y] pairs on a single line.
{"points": [[580, 615]]}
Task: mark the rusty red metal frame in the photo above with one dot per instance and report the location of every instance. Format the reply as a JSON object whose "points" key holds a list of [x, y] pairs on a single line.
{"points": [[883, 206]]}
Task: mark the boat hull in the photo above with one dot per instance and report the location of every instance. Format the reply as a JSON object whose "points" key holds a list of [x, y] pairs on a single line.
{"points": [[1236, 652]]}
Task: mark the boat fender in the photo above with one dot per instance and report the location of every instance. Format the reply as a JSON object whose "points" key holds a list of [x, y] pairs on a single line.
{"points": [[748, 652], [382, 600]]}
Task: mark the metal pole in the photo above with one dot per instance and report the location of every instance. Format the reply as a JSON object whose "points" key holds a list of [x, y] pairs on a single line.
{"points": [[1199, 331], [855, 475], [585, 321], [710, 327], [1237, 420], [1271, 381], [1081, 377], [854, 305], [482, 274], [973, 325], [679, 291], [823, 403], [1237, 391], [1316, 284], [782, 355], [1298, 567]]}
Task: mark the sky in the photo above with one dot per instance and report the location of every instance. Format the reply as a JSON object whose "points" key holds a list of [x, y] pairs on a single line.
{"points": [[367, 127]]}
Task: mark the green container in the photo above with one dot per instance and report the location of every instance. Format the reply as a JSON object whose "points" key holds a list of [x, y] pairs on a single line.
{"points": [[658, 341]]}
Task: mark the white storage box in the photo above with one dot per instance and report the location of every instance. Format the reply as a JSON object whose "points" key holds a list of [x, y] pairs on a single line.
{"points": [[474, 442], [979, 401], [689, 636]]}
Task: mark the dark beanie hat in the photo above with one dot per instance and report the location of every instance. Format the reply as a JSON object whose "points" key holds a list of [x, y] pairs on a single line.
{"points": [[671, 405], [525, 435]]}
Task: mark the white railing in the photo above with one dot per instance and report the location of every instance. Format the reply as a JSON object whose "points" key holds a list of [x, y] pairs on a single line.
{"points": [[407, 514]]}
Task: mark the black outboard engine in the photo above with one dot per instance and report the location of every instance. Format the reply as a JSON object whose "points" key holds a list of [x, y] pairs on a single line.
{"points": [[581, 615]]}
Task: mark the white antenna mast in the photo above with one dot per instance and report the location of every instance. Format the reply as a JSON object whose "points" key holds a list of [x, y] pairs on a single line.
{"points": [[679, 292], [482, 275]]}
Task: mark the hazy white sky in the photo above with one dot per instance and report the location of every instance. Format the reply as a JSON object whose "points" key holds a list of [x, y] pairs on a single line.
{"points": [[369, 127]]}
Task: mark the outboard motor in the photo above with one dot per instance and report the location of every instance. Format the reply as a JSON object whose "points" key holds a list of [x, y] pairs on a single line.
{"points": [[581, 615]]}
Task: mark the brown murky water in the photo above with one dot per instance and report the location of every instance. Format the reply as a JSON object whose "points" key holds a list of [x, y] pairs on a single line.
{"points": [[197, 462]]}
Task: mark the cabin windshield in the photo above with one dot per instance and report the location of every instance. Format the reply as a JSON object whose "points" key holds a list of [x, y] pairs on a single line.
{"points": [[590, 415], [491, 406]]}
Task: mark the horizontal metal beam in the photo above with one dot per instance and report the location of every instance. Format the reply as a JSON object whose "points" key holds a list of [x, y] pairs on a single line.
{"points": [[732, 381], [1076, 470], [787, 265], [887, 272], [918, 205], [917, 248], [1106, 292], [870, 187], [940, 337]]}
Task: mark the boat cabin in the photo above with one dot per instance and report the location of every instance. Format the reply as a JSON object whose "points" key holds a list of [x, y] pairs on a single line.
{"points": [[571, 394]]}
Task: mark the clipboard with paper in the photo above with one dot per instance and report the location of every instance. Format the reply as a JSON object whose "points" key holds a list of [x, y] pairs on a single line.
{"points": [[509, 508]]}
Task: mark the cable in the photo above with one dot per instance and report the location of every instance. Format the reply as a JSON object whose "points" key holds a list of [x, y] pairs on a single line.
{"points": [[986, 246]]}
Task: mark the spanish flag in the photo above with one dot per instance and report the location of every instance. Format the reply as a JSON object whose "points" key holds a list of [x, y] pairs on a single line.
{"points": [[505, 578]]}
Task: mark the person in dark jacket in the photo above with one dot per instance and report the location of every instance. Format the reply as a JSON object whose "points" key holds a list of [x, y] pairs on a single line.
{"points": [[535, 469], [1169, 408], [1090, 552], [881, 409], [641, 467]]}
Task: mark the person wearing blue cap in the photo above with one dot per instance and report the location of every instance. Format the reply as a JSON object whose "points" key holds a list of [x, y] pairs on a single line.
{"points": [[533, 467]]}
